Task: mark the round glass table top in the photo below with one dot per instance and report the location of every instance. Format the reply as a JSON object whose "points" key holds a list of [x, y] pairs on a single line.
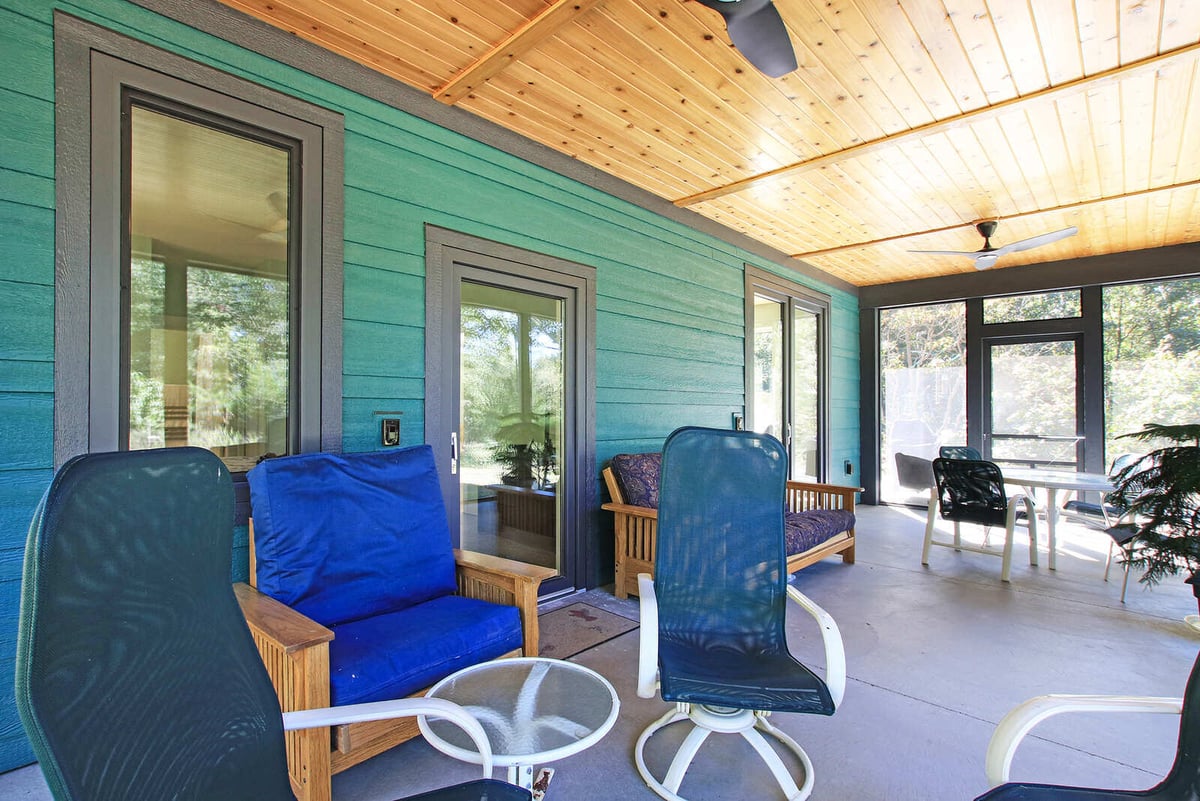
{"points": [[532, 709]]}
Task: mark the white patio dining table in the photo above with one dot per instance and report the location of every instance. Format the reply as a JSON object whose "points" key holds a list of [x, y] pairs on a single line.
{"points": [[1052, 481]]}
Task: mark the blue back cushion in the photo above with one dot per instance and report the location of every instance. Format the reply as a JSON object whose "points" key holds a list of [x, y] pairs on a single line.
{"points": [[637, 476], [345, 537]]}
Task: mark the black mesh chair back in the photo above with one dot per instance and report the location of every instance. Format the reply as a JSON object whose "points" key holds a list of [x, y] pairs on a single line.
{"points": [[137, 679], [959, 452], [1182, 782], [720, 575], [970, 491]]}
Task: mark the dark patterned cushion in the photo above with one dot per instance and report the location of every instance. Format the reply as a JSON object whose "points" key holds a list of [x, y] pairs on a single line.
{"points": [[804, 530], [637, 476]]}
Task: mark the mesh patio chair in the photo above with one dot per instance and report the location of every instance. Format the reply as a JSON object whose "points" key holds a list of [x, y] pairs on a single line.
{"points": [[1182, 782], [970, 491], [712, 626], [136, 676], [959, 452]]}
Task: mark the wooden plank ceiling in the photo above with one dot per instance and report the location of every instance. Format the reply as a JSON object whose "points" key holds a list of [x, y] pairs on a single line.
{"points": [[906, 122]]}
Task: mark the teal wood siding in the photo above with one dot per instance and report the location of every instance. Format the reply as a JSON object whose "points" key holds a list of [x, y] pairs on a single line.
{"points": [[669, 332]]}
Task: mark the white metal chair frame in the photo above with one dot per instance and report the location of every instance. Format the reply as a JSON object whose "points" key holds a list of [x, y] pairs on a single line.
{"points": [[387, 710], [722, 720], [1013, 727]]}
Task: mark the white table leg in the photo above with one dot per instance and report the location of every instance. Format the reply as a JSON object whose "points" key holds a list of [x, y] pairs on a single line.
{"points": [[1051, 520]]}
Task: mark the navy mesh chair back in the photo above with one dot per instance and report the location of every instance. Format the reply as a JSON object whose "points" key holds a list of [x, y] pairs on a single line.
{"points": [[136, 674], [1182, 782], [970, 491], [959, 452], [720, 575]]}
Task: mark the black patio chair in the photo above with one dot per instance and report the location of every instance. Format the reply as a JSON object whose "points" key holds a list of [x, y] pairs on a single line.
{"points": [[136, 676], [959, 452], [969, 491], [712, 634], [1182, 782]]}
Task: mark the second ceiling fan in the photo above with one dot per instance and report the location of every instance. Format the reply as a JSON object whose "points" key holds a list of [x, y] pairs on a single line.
{"points": [[758, 32], [987, 256]]}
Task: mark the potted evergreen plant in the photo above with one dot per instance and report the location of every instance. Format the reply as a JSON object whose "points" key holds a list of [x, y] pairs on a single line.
{"points": [[1161, 495]]}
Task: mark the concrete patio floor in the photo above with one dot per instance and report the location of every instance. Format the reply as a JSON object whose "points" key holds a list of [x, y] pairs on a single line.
{"points": [[935, 657]]}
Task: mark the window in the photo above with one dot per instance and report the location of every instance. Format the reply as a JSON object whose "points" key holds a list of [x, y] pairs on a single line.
{"points": [[922, 363], [1024, 308], [199, 300], [786, 358], [1151, 360]]}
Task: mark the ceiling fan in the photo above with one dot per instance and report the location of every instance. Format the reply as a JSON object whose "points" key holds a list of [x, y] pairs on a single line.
{"points": [[758, 32], [987, 256]]}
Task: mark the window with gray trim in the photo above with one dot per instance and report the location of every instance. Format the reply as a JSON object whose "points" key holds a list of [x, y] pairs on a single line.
{"points": [[787, 358], [199, 257]]}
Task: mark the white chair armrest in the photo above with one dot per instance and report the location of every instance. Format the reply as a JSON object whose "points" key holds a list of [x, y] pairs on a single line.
{"points": [[386, 710], [835, 652], [647, 684], [1013, 727]]}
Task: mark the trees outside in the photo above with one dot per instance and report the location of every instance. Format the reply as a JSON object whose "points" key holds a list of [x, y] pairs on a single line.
{"points": [[216, 345]]}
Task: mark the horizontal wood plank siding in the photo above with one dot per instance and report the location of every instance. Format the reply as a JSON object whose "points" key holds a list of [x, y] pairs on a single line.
{"points": [[669, 332]]}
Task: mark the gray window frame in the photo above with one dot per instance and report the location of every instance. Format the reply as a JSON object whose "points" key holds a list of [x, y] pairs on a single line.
{"points": [[93, 67]]}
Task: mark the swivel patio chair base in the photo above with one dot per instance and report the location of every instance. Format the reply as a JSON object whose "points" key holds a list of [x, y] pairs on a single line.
{"points": [[722, 720]]}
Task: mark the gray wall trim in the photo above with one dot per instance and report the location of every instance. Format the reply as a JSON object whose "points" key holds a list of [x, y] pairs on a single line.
{"points": [[87, 245], [1175, 261], [869, 414], [255, 35]]}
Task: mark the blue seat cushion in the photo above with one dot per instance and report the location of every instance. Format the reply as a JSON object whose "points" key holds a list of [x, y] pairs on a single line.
{"points": [[804, 530], [394, 655], [637, 476], [342, 537]]}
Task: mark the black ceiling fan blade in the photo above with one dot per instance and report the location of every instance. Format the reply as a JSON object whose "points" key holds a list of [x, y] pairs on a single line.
{"points": [[758, 32]]}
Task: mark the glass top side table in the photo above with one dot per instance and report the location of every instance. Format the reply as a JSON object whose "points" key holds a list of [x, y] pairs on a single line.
{"points": [[533, 709]]}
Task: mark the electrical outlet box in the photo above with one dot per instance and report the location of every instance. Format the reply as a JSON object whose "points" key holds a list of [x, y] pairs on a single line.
{"points": [[849, 468], [739, 422], [389, 431]]}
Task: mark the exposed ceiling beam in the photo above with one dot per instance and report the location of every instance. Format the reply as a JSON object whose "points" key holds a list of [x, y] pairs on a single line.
{"points": [[526, 38], [1020, 215], [937, 126]]}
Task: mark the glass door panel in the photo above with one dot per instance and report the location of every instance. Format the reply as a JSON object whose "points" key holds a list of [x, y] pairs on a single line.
{"points": [[1033, 401], [806, 383], [769, 360], [512, 390]]}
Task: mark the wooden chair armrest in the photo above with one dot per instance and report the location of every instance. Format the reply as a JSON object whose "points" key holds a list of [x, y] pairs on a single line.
{"points": [[295, 651], [282, 625], [635, 511], [804, 495], [504, 581]]}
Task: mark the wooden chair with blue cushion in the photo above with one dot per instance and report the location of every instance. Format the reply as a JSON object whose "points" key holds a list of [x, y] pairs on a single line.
{"points": [[136, 676], [818, 518], [359, 595]]}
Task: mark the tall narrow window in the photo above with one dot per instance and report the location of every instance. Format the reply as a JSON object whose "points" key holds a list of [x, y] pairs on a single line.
{"points": [[785, 369], [207, 325], [199, 291], [923, 372]]}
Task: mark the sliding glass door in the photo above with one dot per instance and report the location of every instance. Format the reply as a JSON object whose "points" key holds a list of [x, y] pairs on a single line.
{"points": [[785, 384]]}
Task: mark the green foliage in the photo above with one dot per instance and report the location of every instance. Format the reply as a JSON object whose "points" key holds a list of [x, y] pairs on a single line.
{"points": [[1161, 492]]}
